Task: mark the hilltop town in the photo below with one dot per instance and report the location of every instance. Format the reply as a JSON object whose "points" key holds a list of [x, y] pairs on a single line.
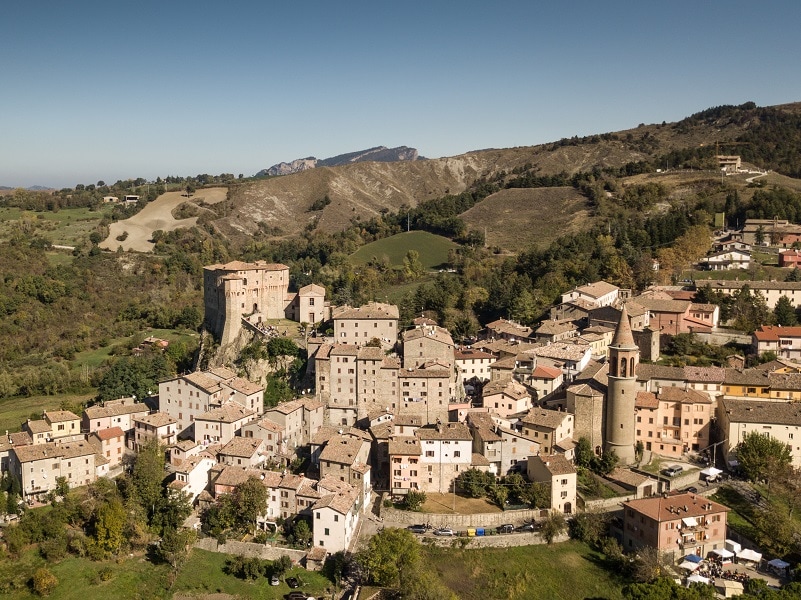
{"points": [[300, 403]]}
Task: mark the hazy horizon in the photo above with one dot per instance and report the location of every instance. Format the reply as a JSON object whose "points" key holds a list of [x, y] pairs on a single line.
{"points": [[101, 91]]}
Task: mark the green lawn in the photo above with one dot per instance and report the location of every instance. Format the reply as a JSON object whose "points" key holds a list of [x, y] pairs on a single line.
{"points": [[138, 578], [14, 411], [560, 571], [68, 226], [96, 357], [203, 573], [433, 249]]}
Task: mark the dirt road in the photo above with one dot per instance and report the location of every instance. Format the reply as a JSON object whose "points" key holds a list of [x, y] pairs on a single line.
{"points": [[156, 215]]}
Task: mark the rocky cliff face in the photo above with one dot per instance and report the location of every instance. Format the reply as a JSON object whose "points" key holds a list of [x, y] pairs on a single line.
{"points": [[377, 154]]}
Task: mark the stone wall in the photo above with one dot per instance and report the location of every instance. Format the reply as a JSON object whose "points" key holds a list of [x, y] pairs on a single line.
{"points": [[402, 518], [249, 549]]}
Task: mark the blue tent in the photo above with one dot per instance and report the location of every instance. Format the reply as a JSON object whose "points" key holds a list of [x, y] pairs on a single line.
{"points": [[693, 558]]}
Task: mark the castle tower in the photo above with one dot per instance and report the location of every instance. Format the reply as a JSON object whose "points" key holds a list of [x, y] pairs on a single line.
{"points": [[624, 355]]}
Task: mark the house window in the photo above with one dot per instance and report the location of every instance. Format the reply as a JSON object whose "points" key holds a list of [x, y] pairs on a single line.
{"points": [[457, 454], [429, 453]]}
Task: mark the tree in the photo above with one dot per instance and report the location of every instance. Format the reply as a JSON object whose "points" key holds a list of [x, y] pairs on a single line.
{"points": [[776, 531], [784, 312], [590, 527], [650, 564], [762, 457], [250, 501], [414, 500], [147, 476], [390, 556], [175, 545], [109, 527], [759, 236], [44, 582], [474, 482], [584, 453], [412, 267], [283, 563], [553, 526], [795, 274]]}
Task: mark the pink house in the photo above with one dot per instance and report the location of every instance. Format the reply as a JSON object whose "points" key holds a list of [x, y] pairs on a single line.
{"points": [[110, 443]]}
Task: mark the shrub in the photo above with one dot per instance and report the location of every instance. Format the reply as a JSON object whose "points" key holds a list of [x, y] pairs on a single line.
{"points": [[44, 582]]}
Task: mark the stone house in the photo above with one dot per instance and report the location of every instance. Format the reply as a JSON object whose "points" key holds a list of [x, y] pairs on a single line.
{"points": [[358, 326], [159, 427], [109, 443], [221, 424], [560, 474]]}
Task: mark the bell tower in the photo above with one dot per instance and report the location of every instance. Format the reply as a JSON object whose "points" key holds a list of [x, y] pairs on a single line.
{"points": [[624, 356]]}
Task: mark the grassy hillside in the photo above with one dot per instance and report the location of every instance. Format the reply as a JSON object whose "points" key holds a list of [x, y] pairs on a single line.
{"points": [[514, 219], [433, 249], [560, 571]]}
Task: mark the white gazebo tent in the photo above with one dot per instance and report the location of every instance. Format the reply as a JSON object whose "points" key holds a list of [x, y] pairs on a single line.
{"points": [[710, 473], [728, 588], [690, 566], [725, 555], [696, 578], [749, 555]]}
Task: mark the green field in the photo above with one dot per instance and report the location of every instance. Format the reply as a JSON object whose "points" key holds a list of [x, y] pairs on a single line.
{"points": [[137, 578], [68, 226], [560, 571], [96, 357], [433, 249], [14, 411]]}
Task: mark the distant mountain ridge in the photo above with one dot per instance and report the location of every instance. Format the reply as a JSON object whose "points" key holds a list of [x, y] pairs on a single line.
{"points": [[376, 154]]}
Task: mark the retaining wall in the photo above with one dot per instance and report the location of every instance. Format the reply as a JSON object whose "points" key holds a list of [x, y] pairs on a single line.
{"points": [[249, 549], [487, 520]]}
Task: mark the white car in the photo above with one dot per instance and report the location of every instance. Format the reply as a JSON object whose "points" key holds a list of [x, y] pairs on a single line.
{"points": [[274, 580], [446, 531]]}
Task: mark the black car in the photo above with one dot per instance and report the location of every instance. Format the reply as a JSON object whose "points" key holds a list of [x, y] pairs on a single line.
{"points": [[293, 582], [692, 489], [527, 527], [506, 528], [417, 528]]}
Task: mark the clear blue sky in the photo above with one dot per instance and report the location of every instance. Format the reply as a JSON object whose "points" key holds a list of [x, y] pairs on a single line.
{"points": [[111, 90]]}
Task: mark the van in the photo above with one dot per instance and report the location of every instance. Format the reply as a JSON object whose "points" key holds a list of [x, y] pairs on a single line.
{"points": [[673, 470]]}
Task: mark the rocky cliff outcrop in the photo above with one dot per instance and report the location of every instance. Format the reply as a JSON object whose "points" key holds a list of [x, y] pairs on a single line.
{"points": [[377, 154]]}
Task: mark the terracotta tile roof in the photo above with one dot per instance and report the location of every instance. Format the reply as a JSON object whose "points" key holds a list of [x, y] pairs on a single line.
{"points": [[646, 400], [785, 381], [747, 377], [437, 334], [673, 508], [370, 353], [627, 476], [468, 353], [761, 411], [203, 381], [238, 265], [292, 482], [38, 452], [342, 502], [771, 333], [286, 407], [332, 485], [371, 310], [507, 386], [556, 464], [244, 386], [230, 412], [342, 449], [407, 420], [232, 476], [344, 350], [109, 433], [562, 351], [540, 417], [60, 416], [445, 431], [597, 289], [242, 447], [115, 410], [404, 446], [312, 290], [483, 426], [269, 425], [423, 374], [478, 460], [38, 426], [555, 327], [382, 431], [543, 372], [325, 433], [158, 419], [222, 373], [688, 396]]}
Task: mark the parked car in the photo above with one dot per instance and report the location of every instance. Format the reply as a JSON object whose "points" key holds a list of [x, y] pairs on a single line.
{"points": [[446, 531], [527, 527], [274, 580], [673, 470], [692, 489], [298, 596], [293, 582], [417, 528], [506, 528]]}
